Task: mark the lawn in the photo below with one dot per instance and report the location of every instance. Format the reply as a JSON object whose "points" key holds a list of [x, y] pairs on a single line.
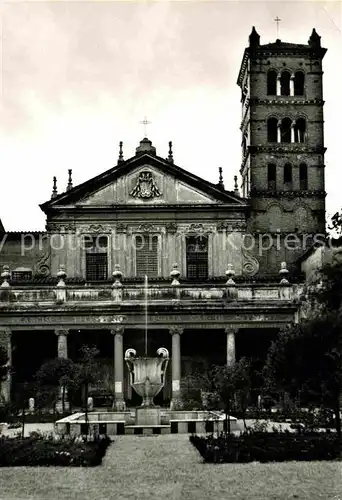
{"points": [[169, 467]]}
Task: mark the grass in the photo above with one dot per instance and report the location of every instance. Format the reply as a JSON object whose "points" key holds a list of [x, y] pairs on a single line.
{"points": [[169, 467]]}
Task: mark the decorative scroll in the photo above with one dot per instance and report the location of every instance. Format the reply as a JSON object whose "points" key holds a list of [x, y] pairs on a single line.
{"points": [[54, 227], [171, 227], [95, 228], [121, 228], [251, 265], [197, 229], [42, 266]]}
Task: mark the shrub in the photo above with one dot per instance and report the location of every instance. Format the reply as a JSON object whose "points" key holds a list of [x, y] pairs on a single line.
{"points": [[50, 451], [277, 446]]}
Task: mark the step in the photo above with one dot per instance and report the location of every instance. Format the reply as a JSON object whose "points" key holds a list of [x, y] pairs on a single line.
{"points": [[147, 430]]}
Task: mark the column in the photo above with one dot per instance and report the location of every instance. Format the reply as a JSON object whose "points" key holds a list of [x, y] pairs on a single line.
{"points": [[5, 385], [230, 331], [62, 353], [292, 78], [62, 343], [279, 131], [293, 124], [278, 84], [119, 402], [176, 332]]}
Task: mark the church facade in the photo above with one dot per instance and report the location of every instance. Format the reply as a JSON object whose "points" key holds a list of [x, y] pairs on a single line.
{"points": [[148, 255]]}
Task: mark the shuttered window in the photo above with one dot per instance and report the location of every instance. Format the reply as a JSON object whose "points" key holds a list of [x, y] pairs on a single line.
{"points": [[146, 255], [197, 257], [96, 257], [96, 266]]}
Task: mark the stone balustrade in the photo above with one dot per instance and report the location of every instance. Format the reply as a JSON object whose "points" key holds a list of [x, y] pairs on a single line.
{"points": [[136, 294]]}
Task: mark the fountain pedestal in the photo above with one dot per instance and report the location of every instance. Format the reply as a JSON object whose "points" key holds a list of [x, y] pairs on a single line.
{"points": [[147, 416]]}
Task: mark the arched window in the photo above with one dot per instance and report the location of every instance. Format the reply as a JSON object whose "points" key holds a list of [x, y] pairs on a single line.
{"points": [[272, 129], [271, 176], [272, 83], [285, 130], [285, 83], [287, 176], [303, 177], [300, 128], [299, 83]]}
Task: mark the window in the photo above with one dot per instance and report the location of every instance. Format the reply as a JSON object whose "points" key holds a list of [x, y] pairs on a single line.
{"points": [[197, 257], [272, 177], [285, 130], [288, 176], [299, 83], [146, 255], [285, 83], [272, 124], [21, 275], [272, 82], [244, 145], [96, 266], [300, 129], [96, 257], [303, 177]]}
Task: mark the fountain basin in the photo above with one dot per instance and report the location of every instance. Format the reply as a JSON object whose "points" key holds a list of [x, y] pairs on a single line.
{"points": [[174, 422]]}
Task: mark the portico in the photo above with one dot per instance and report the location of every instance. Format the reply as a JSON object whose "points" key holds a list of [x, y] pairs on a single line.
{"points": [[175, 331]]}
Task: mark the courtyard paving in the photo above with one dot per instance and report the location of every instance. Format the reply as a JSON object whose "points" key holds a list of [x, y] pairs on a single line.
{"points": [[168, 467]]}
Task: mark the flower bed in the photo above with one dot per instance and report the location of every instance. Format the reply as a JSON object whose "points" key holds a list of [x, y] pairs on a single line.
{"points": [[268, 447], [37, 450]]}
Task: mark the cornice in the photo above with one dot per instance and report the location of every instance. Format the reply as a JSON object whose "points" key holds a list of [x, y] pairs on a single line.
{"points": [[288, 194], [295, 147], [297, 101]]}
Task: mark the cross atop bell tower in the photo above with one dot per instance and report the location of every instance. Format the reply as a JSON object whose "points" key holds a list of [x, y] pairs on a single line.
{"points": [[277, 21]]}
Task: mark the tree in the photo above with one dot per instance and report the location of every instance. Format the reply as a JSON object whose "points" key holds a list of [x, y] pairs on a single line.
{"points": [[87, 373], [4, 368], [57, 374], [308, 357], [232, 383]]}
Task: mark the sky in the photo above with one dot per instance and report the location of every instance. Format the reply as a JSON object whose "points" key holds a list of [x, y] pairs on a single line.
{"points": [[78, 77]]}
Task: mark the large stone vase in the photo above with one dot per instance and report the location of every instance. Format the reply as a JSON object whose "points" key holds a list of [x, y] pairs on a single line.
{"points": [[147, 374]]}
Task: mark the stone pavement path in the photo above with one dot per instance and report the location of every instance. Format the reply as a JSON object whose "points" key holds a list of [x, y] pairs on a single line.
{"points": [[167, 467]]}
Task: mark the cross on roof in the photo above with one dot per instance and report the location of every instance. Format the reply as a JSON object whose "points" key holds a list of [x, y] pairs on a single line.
{"points": [[277, 20], [145, 122]]}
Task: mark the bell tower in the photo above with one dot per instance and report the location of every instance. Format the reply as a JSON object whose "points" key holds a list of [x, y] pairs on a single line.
{"points": [[282, 144]]}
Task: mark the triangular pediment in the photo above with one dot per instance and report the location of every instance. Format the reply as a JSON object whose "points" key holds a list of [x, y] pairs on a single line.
{"points": [[144, 180], [147, 185]]}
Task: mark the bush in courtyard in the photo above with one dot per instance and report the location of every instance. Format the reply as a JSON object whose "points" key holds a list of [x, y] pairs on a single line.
{"points": [[37, 450], [261, 446], [232, 384], [54, 379]]}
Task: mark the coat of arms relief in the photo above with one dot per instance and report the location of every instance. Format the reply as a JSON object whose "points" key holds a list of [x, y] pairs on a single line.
{"points": [[145, 187]]}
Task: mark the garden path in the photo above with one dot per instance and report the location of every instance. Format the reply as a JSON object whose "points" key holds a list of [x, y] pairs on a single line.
{"points": [[168, 467]]}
